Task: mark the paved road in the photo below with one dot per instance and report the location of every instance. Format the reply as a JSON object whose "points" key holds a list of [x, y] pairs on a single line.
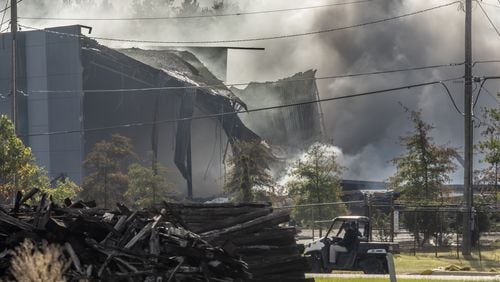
{"points": [[426, 277]]}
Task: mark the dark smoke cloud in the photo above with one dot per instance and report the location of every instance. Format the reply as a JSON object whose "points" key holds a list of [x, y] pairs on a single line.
{"points": [[367, 129]]}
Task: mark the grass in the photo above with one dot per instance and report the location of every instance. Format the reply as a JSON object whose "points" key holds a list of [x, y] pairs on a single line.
{"points": [[381, 280], [406, 264], [409, 264], [31, 263]]}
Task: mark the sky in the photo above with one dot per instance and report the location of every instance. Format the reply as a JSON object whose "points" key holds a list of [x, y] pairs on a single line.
{"points": [[364, 129]]}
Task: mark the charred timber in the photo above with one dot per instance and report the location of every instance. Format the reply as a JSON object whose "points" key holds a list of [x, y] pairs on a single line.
{"points": [[171, 242]]}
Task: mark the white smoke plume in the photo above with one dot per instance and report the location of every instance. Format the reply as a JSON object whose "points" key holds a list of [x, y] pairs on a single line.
{"points": [[327, 149]]}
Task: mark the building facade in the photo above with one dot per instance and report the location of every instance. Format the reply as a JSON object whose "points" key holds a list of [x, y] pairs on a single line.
{"points": [[74, 92]]}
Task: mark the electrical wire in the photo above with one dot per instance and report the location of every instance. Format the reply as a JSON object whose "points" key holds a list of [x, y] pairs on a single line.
{"points": [[481, 123], [451, 98], [491, 94], [258, 38], [478, 93], [6, 8], [484, 79], [351, 75], [4, 12], [5, 29], [485, 62], [196, 16], [488, 17], [491, 5], [129, 125]]}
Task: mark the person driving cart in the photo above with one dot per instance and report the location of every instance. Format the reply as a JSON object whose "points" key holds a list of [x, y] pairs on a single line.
{"points": [[347, 243]]}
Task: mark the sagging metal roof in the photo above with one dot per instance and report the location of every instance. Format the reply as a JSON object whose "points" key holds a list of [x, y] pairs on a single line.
{"points": [[183, 66]]}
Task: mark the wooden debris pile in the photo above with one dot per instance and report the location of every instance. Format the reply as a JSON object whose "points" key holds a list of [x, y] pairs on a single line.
{"points": [[171, 242], [119, 245], [251, 231]]}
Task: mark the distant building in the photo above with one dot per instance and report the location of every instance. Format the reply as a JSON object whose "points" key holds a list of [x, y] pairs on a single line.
{"points": [[74, 92], [360, 185]]}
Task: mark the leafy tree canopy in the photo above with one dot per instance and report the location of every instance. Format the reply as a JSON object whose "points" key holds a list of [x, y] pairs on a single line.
{"points": [[421, 173], [425, 166], [489, 147], [105, 181], [17, 162], [315, 178], [249, 169], [147, 187], [62, 190]]}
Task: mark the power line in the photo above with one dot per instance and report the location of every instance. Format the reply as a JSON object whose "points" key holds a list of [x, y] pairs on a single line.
{"points": [[492, 5], [5, 29], [485, 62], [352, 75], [129, 125], [4, 12], [257, 38], [197, 16], [484, 79], [488, 17], [8, 7], [491, 94], [451, 98]]}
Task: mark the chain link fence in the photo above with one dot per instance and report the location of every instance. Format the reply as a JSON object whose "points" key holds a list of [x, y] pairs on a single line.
{"points": [[436, 228]]}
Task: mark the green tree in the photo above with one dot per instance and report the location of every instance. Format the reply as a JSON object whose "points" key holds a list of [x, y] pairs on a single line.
{"points": [[249, 170], [105, 181], [421, 173], [61, 190], [489, 147], [18, 170], [145, 187], [17, 162], [315, 178]]}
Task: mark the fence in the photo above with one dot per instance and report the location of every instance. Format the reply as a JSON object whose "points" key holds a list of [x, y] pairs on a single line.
{"points": [[415, 228]]}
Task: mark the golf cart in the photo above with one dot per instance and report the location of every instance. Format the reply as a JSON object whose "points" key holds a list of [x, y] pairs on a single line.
{"points": [[367, 256]]}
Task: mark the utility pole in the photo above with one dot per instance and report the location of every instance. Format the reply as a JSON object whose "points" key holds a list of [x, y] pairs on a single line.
{"points": [[13, 26], [466, 240]]}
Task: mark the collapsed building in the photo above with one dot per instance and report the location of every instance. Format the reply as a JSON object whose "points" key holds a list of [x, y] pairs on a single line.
{"points": [[299, 126], [74, 92]]}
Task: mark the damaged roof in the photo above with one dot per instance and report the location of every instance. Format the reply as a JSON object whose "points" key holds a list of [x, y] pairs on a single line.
{"points": [[183, 66]]}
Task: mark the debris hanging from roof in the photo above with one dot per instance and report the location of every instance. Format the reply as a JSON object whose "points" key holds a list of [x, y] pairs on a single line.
{"points": [[183, 66], [300, 126]]}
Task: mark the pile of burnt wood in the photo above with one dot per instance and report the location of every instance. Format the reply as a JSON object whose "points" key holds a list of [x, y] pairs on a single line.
{"points": [[251, 232], [171, 242]]}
